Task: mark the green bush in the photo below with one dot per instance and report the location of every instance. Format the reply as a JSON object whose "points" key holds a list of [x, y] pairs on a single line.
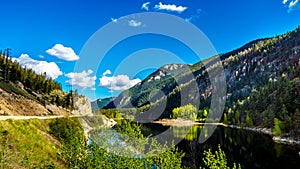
{"points": [[71, 134], [217, 160]]}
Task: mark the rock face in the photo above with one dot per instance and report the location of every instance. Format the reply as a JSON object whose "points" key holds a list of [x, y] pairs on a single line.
{"points": [[82, 106], [164, 71]]}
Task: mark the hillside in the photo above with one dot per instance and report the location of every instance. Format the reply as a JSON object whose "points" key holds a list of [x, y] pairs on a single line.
{"points": [[249, 70], [23, 92], [166, 79], [14, 104]]}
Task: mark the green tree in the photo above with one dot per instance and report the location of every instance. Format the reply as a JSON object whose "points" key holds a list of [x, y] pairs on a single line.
{"points": [[175, 113], [249, 121], [237, 116], [276, 128], [205, 113], [187, 112]]}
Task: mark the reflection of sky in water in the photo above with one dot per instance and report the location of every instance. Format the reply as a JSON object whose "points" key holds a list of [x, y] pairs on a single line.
{"points": [[111, 141]]}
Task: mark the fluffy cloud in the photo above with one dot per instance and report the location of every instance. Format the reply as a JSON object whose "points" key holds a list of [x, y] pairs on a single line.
{"points": [[62, 52], [292, 5], [117, 83], [134, 23], [39, 67], [82, 80], [145, 6], [170, 7]]}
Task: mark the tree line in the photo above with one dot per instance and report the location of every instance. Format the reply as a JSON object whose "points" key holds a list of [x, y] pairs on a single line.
{"points": [[43, 88]]}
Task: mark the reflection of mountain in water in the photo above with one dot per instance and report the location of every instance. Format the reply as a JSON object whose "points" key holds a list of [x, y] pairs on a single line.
{"points": [[252, 150]]}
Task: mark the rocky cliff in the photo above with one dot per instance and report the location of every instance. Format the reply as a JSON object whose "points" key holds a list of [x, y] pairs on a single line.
{"points": [[82, 105]]}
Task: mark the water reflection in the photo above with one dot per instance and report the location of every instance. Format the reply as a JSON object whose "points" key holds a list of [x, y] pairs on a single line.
{"points": [[250, 149], [188, 133]]}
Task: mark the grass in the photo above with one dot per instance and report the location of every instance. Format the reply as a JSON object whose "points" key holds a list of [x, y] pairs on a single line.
{"points": [[26, 144]]}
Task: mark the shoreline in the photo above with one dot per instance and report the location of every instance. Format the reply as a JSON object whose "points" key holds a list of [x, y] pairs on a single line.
{"points": [[281, 139], [277, 139], [174, 122]]}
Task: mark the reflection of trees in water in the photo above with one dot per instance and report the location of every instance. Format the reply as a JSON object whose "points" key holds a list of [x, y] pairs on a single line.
{"points": [[250, 149], [188, 133]]}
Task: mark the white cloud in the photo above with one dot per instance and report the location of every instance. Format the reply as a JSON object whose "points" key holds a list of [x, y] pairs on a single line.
{"points": [[62, 52], [39, 67], [114, 20], [107, 72], [145, 6], [117, 83], [292, 5], [170, 7], [82, 80], [134, 23]]}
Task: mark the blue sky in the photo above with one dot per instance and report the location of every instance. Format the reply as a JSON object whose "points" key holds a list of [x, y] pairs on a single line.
{"points": [[49, 35]]}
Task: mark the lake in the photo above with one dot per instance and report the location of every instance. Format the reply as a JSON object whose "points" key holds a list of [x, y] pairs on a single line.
{"points": [[250, 149]]}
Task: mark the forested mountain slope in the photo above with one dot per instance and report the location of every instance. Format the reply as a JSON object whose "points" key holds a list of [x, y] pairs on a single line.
{"points": [[264, 69]]}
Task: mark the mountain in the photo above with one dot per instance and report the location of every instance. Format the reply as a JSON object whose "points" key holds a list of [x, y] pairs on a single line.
{"points": [[100, 103], [166, 79], [248, 69]]}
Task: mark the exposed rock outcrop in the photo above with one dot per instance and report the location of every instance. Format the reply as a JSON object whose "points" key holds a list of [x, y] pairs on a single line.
{"points": [[82, 106]]}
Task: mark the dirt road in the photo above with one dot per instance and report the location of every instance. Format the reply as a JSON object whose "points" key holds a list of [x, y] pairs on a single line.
{"points": [[35, 117]]}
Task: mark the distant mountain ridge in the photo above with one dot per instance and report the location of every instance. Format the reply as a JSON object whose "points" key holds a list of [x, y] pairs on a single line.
{"points": [[100, 103]]}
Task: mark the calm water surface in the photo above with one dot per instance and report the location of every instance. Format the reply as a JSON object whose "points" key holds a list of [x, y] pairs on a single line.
{"points": [[252, 150]]}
